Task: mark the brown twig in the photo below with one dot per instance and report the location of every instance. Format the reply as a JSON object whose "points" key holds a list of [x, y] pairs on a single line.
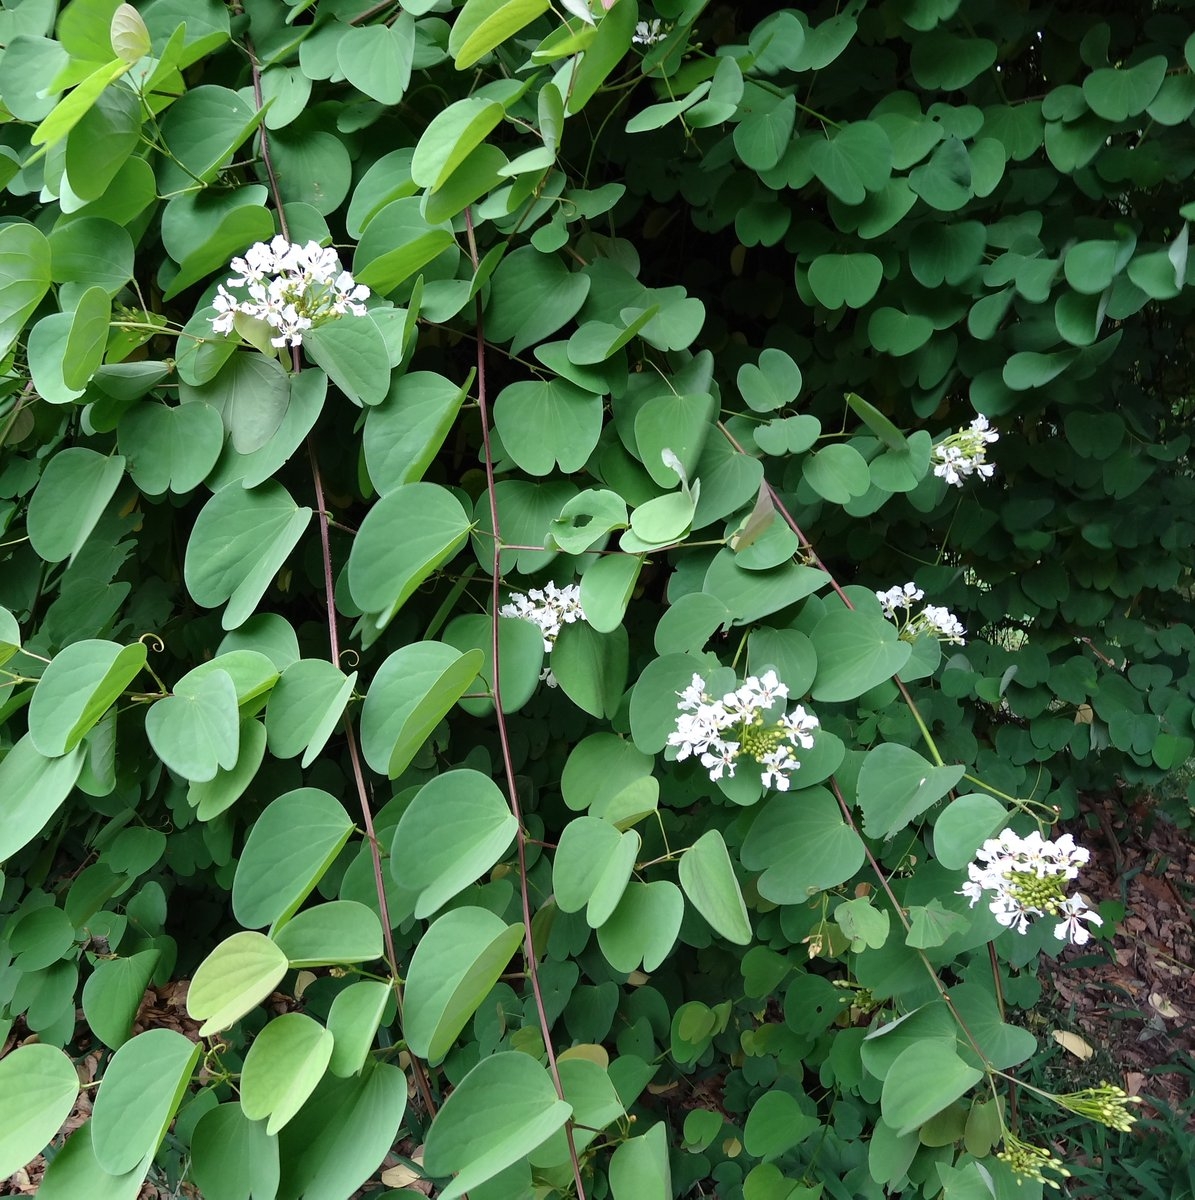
{"points": [[503, 736]]}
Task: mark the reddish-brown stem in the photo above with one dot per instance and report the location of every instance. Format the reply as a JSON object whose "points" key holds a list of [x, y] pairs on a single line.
{"points": [[421, 1080], [813, 557], [503, 737]]}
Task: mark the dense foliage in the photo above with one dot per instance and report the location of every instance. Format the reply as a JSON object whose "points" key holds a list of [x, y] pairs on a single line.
{"points": [[457, 460]]}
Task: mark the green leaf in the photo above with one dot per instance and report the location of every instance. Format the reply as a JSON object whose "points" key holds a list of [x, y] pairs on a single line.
{"points": [[203, 129], [406, 536], [140, 1093], [404, 432], [482, 25], [80, 684], [932, 924], [1091, 266], [502, 1109], [341, 931], [69, 500], [376, 59], [845, 279], [170, 449], [234, 979], [69, 111], [75, 1172], [896, 785], [232, 1157], [676, 423], [607, 49], [709, 881], [342, 1134], [532, 296], [454, 967], [451, 136], [87, 338], [93, 251], [1116, 93], [112, 995], [643, 927], [775, 382], [545, 423], [24, 278], [238, 544], [750, 595], [591, 667], [36, 787], [284, 1064], [353, 352], [410, 694], [305, 707], [10, 636], [353, 1021], [945, 181], [38, 1088], [520, 652], [964, 825], [775, 1124], [398, 241], [837, 473], [898, 333], [856, 160], [923, 1080], [287, 851], [454, 830], [944, 61], [865, 927], [639, 1167], [855, 652], [588, 849], [196, 731], [251, 394], [211, 797], [801, 843]]}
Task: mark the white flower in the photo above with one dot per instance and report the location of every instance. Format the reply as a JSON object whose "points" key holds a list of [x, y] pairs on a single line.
{"points": [[1073, 910], [647, 33], [291, 288], [938, 622], [1026, 878], [964, 453], [549, 607], [942, 624], [721, 732], [898, 597]]}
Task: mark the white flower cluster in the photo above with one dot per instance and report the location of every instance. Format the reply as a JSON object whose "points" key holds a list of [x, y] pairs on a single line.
{"points": [[647, 33], [720, 732], [965, 453], [549, 607], [938, 622], [292, 288], [1027, 877]]}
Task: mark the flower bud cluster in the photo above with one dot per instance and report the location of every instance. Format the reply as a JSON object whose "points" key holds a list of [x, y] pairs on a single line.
{"points": [[549, 607], [897, 605], [1030, 1162], [965, 453], [1027, 877], [743, 724], [1107, 1104], [291, 288]]}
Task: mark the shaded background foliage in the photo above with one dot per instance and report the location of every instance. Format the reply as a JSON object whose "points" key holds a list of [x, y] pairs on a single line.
{"points": [[936, 207]]}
